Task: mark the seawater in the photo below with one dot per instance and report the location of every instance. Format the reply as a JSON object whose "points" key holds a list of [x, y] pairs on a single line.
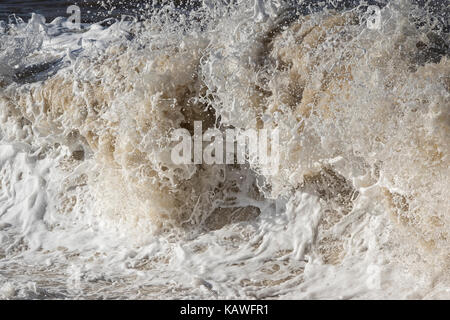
{"points": [[91, 205]]}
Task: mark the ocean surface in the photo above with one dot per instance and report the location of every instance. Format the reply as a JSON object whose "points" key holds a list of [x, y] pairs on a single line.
{"points": [[93, 10], [92, 205]]}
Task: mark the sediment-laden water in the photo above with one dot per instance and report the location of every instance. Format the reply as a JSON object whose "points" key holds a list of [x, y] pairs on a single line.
{"points": [[92, 206]]}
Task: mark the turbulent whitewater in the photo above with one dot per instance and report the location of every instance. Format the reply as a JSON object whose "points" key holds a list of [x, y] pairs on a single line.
{"points": [[91, 205]]}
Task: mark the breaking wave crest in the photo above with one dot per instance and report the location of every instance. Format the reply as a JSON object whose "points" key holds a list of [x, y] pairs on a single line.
{"points": [[359, 207]]}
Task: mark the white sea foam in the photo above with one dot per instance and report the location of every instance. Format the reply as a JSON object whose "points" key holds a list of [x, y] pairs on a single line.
{"points": [[92, 206]]}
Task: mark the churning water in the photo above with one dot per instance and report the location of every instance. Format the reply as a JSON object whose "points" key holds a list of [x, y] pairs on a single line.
{"points": [[91, 205]]}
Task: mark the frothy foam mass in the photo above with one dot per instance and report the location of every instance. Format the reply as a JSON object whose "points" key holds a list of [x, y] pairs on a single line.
{"points": [[359, 207]]}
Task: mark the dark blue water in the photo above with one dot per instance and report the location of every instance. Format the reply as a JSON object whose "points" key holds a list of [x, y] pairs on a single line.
{"points": [[91, 10]]}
